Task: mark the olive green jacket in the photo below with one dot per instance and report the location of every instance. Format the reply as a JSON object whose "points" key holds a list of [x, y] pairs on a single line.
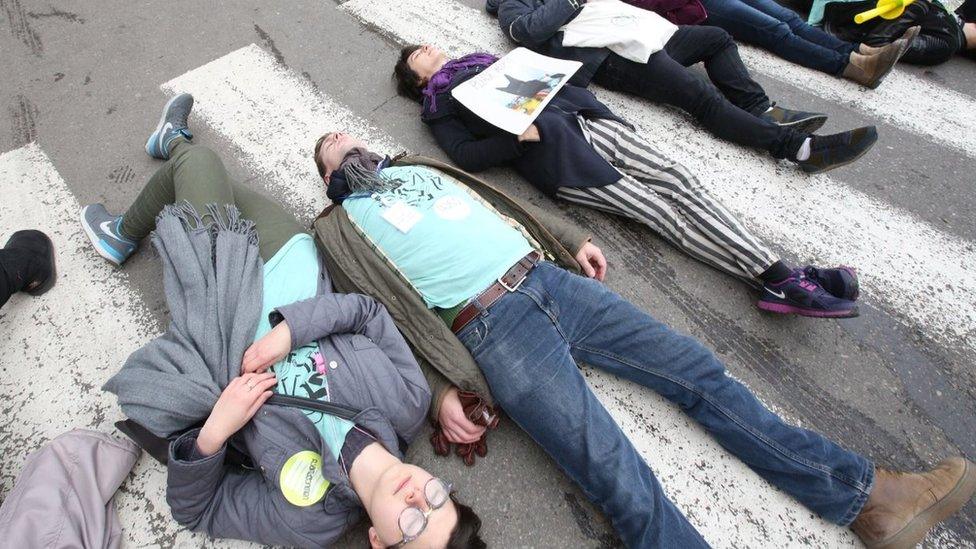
{"points": [[357, 267]]}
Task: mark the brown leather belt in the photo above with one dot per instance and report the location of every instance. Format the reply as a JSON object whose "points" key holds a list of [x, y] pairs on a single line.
{"points": [[509, 282]]}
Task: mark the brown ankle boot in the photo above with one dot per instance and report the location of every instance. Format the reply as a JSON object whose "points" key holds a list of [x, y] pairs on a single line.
{"points": [[903, 507], [870, 70]]}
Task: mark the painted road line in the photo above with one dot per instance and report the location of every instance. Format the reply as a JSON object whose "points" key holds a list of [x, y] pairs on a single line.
{"points": [[707, 483], [892, 249], [236, 105], [906, 101], [58, 349]]}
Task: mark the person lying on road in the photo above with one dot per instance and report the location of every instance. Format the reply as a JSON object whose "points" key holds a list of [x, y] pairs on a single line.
{"points": [[315, 470], [449, 253], [729, 103], [580, 151]]}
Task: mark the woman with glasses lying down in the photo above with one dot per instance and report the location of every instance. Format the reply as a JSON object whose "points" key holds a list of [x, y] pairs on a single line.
{"points": [[317, 391]]}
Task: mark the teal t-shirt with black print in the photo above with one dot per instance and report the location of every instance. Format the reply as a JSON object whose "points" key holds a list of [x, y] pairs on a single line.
{"points": [[448, 244], [292, 275]]}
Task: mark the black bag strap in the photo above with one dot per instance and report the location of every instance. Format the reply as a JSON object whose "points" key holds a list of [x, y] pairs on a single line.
{"points": [[338, 410], [158, 447]]}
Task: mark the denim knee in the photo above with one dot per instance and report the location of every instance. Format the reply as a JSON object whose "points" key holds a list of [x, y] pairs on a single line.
{"points": [[718, 38]]}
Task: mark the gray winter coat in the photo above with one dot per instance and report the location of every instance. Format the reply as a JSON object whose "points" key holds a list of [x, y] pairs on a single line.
{"points": [[375, 372]]}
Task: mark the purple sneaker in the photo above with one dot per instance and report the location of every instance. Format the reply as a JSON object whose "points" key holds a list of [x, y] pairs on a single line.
{"points": [[840, 282], [803, 296]]}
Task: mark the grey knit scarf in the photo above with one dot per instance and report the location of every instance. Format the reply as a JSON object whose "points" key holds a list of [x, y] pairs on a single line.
{"points": [[212, 277]]}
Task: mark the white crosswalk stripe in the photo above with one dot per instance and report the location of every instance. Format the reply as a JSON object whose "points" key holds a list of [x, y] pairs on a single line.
{"points": [[815, 218], [909, 102], [58, 349], [274, 137]]}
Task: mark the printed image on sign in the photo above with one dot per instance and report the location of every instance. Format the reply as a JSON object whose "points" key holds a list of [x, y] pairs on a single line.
{"points": [[513, 91], [301, 479], [451, 208]]}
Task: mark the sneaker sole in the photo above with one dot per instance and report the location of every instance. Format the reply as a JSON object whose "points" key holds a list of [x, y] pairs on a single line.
{"points": [[807, 125], [162, 122], [96, 241], [785, 309], [812, 170], [913, 532], [51, 280]]}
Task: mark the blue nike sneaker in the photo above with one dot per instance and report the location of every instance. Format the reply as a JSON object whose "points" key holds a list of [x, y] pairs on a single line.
{"points": [[803, 296], [172, 124], [840, 281], [105, 232]]}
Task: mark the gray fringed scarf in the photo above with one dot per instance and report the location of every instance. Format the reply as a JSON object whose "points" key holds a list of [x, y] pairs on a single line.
{"points": [[359, 172], [212, 276]]}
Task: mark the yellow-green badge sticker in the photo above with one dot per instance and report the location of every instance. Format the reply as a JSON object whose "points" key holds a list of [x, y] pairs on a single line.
{"points": [[301, 479]]}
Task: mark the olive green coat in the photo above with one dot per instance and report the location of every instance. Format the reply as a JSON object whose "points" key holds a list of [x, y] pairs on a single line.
{"points": [[357, 267]]}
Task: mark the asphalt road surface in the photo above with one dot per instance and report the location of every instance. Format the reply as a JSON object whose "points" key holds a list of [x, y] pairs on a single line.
{"points": [[81, 85]]}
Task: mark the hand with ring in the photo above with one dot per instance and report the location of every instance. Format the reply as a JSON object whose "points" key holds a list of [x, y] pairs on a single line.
{"points": [[235, 407]]}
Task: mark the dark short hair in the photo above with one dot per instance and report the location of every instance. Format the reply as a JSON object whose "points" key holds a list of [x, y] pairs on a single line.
{"points": [[408, 81], [315, 154], [466, 534]]}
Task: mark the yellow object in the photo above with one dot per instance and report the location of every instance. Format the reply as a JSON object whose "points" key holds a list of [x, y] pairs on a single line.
{"points": [[301, 479], [888, 9]]}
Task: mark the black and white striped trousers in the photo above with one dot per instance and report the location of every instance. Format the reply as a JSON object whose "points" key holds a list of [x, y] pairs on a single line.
{"points": [[665, 196]]}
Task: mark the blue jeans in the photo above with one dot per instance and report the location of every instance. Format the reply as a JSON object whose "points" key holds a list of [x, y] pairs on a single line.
{"points": [[528, 343], [781, 31]]}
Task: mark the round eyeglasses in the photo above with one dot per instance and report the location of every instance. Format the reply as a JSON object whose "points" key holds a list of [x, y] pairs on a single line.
{"points": [[413, 520]]}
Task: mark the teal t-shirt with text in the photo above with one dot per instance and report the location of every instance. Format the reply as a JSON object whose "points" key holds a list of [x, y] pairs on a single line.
{"points": [[447, 243]]}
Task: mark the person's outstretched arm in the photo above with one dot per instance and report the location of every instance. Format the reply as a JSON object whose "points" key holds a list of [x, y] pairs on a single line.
{"points": [[206, 495], [531, 26]]}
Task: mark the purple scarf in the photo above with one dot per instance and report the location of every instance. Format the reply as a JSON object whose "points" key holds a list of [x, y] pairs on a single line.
{"points": [[441, 80]]}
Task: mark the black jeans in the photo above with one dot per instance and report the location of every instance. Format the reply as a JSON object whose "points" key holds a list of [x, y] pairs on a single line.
{"points": [[941, 38], [728, 105], [6, 288], [13, 263]]}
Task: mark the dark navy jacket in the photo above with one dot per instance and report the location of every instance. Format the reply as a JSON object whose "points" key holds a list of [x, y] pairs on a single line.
{"points": [[562, 157], [535, 24]]}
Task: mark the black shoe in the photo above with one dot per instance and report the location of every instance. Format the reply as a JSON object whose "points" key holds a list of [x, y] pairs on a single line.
{"points": [[833, 151], [803, 122], [967, 11], [840, 281], [34, 253]]}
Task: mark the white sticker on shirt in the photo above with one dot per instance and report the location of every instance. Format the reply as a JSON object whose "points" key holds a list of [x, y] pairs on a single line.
{"points": [[451, 208], [403, 216]]}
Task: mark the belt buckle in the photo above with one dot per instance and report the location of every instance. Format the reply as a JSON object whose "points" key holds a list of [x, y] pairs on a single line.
{"points": [[511, 288]]}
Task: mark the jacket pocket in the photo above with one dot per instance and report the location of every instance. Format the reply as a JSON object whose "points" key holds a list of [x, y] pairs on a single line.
{"points": [[361, 343]]}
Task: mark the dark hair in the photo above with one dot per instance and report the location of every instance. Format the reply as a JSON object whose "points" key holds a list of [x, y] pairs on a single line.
{"points": [[466, 534], [315, 154], [408, 81]]}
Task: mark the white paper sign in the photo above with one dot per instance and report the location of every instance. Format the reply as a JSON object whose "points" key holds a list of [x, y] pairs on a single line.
{"points": [[513, 91]]}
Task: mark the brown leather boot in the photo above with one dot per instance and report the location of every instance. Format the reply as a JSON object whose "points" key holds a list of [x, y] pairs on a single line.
{"points": [[903, 507], [870, 70], [907, 36]]}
